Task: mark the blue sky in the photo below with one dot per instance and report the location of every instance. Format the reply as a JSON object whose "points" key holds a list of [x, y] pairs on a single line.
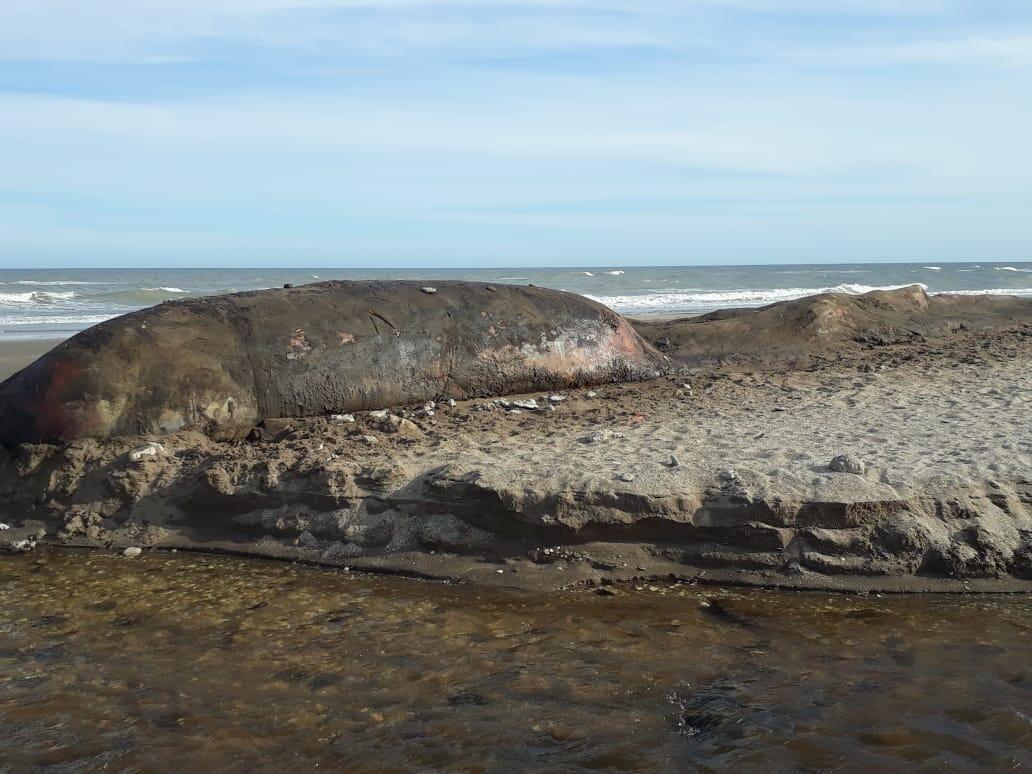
{"points": [[533, 132]]}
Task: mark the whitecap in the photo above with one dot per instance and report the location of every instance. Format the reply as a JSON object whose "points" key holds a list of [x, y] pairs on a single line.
{"points": [[36, 297]]}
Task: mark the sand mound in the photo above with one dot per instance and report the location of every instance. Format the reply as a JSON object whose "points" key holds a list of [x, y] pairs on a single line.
{"points": [[829, 323]]}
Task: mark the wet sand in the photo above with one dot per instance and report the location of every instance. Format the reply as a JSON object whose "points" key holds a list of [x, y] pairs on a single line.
{"points": [[15, 355]]}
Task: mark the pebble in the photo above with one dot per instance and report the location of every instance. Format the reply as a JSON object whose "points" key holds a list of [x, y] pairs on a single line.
{"points": [[132, 552], [556, 398], [4, 526], [627, 477], [530, 404], [603, 434], [845, 463], [150, 449], [23, 546], [343, 417], [674, 462], [369, 439], [451, 402], [428, 290], [592, 394], [381, 414], [728, 474]]}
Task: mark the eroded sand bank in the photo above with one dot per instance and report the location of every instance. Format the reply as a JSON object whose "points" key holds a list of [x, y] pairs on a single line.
{"points": [[719, 471]]}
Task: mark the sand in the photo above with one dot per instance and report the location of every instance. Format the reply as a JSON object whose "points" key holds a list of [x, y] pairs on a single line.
{"points": [[717, 472], [15, 355]]}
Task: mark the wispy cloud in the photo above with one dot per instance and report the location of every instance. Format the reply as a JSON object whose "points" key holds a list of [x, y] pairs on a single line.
{"points": [[402, 126]]}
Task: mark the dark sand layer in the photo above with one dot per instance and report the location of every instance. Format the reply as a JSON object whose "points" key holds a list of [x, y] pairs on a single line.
{"points": [[719, 472]]}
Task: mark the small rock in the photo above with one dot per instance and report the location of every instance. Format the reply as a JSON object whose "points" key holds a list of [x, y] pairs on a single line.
{"points": [[150, 449], [307, 540], [343, 417], [428, 290], [627, 477], [556, 398], [451, 402], [287, 285], [674, 462], [4, 526], [23, 546], [845, 463], [381, 414], [132, 552], [591, 394], [407, 428], [490, 289], [686, 387], [601, 435], [369, 439], [514, 411], [728, 474], [530, 404], [605, 591]]}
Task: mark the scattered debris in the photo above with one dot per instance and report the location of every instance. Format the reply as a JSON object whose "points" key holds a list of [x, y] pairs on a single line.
{"points": [[530, 404], [845, 463], [150, 449], [603, 434]]}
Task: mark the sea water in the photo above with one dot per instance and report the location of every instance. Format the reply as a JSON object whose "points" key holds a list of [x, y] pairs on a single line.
{"points": [[55, 303]]}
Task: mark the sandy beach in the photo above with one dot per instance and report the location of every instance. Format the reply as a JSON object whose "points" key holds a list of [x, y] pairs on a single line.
{"points": [[16, 354], [878, 444]]}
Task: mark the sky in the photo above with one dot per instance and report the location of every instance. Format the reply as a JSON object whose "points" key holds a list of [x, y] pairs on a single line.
{"points": [[364, 133]]}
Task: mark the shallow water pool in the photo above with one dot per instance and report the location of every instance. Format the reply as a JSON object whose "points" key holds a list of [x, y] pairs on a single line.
{"points": [[199, 663]]}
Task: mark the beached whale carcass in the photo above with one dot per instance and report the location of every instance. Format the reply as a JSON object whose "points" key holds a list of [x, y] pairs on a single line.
{"points": [[225, 363]]}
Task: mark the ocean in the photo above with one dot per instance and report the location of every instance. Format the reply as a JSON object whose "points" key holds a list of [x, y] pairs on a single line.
{"points": [[56, 303]]}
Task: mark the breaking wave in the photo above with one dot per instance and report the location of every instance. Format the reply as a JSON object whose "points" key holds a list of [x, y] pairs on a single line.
{"points": [[35, 297]]}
